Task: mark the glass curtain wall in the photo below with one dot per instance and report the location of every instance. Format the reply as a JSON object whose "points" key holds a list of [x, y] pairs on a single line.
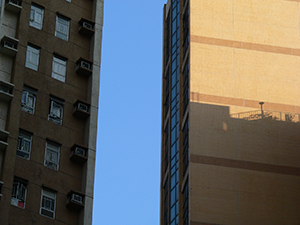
{"points": [[174, 173], [171, 115]]}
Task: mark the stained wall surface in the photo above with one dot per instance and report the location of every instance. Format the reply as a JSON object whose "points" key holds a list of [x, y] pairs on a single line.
{"points": [[70, 175]]}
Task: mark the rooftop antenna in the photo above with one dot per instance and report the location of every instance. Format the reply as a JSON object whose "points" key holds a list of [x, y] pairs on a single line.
{"points": [[261, 108]]}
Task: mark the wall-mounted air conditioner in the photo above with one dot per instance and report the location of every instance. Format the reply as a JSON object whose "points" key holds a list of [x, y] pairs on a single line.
{"points": [[14, 6], [84, 67], [81, 109], [9, 46], [86, 27], [78, 154], [75, 200]]}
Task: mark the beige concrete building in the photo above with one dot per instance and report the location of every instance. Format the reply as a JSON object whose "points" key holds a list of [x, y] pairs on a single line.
{"points": [[50, 57], [231, 113]]}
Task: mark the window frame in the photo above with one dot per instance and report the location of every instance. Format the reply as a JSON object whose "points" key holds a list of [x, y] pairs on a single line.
{"points": [[59, 63], [53, 116], [51, 149], [45, 193], [33, 18], [62, 22], [24, 136], [29, 93], [30, 63], [16, 199]]}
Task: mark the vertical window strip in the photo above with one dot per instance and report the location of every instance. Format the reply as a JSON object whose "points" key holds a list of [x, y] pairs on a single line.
{"points": [[59, 69], [52, 156], [186, 204], [32, 57], [48, 203], [28, 100], [19, 192], [36, 17], [62, 28], [24, 145], [174, 115]]}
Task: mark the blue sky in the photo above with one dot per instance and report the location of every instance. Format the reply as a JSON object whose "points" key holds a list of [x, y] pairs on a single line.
{"points": [[128, 146]]}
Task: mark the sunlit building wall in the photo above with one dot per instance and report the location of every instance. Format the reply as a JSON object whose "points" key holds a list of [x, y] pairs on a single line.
{"points": [[236, 155]]}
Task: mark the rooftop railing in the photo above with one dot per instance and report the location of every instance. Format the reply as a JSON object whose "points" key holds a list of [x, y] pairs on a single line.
{"points": [[267, 114]]}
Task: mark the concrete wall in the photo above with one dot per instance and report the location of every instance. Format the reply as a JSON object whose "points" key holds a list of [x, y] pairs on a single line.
{"points": [[70, 176], [243, 52], [246, 50]]}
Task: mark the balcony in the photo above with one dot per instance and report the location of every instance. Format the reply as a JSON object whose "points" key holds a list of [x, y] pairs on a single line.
{"points": [[268, 114], [14, 6], [6, 90], [3, 140], [75, 200], [86, 27], [78, 154], [9, 46]]}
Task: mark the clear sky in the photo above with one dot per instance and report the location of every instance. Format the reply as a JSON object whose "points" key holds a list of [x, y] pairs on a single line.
{"points": [[128, 147]]}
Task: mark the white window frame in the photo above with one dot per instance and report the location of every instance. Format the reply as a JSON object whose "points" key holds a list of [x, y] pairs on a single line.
{"points": [[19, 193], [52, 153], [32, 57], [50, 196], [28, 100], [59, 67], [56, 111], [36, 17], [62, 27], [24, 139]]}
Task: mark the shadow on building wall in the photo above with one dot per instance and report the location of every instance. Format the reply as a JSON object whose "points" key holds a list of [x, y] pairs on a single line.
{"points": [[265, 136]]}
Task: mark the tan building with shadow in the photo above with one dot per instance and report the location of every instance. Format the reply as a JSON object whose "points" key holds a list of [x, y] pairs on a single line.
{"points": [[50, 57], [231, 113]]}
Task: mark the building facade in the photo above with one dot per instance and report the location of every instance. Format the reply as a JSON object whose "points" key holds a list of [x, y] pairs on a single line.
{"points": [[50, 57], [230, 113]]}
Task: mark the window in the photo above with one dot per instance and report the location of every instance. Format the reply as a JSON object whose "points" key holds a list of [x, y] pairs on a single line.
{"points": [[28, 99], [18, 197], [186, 204], [32, 57], [56, 111], [24, 145], [62, 27], [48, 203], [52, 155], [166, 203], [59, 69], [185, 145], [36, 17]]}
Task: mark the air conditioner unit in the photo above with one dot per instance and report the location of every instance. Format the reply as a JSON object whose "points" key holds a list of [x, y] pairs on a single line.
{"points": [[82, 107], [77, 198], [15, 2], [79, 151], [8, 44], [85, 65], [87, 25], [4, 89]]}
